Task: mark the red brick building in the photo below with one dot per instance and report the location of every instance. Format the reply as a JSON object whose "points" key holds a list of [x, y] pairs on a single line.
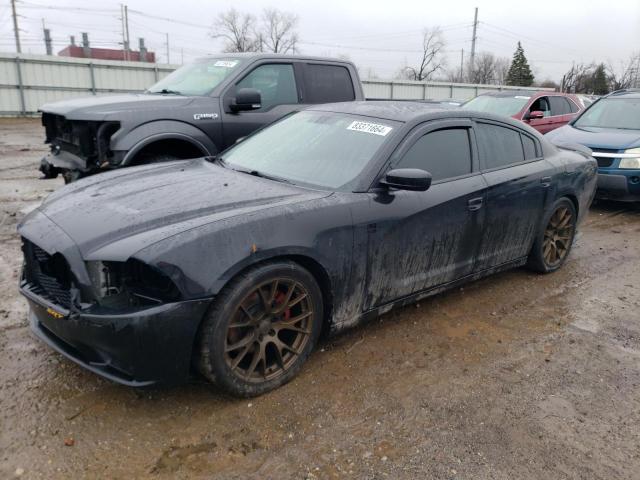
{"points": [[106, 54]]}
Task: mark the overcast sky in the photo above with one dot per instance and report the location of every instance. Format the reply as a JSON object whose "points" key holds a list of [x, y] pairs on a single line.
{"points": [[380, 37]]}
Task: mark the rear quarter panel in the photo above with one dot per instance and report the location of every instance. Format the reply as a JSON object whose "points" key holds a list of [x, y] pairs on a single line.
{"points": [[576, 177]]}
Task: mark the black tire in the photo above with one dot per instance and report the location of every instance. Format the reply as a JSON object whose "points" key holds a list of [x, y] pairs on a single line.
{"points": [[240, 328], [48, 170], [71, 175], [555, 237]]}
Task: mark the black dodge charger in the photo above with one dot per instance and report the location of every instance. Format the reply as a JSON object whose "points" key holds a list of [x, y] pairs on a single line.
{"points": [[234, 265]]}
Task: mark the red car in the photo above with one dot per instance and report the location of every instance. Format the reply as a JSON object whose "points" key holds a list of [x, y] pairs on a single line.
{"points": [[544, 111]]}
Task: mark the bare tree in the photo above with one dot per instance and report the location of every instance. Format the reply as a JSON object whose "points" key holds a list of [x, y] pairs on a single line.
{"points": [[278, 33], [483, 69], [502, 65], [432, 59], [627, 76], [238, 30], [575, 80]]}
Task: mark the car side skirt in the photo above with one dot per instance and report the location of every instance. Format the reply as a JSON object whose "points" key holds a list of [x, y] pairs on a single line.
{"points": [[413, 298]]}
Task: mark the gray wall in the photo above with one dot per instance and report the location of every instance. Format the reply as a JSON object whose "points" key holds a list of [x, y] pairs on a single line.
{"points": [[29, 81]]}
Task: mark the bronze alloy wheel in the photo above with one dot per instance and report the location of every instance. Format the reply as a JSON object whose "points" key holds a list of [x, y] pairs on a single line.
{"points": [[558, 236], [269, 329]]}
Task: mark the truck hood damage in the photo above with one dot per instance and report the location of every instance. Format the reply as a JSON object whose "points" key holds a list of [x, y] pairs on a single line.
{"points": [[109, 106], [112, 216]]}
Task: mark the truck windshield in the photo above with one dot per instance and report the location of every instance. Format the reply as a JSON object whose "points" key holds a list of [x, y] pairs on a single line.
{"points": [[197, 78], [612, 113], [499, 105], [321, 149]]}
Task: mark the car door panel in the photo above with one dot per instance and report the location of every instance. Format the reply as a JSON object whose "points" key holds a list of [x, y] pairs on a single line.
{"points": [[515, 200], [518, 181], [424, 239], [418, 240]]}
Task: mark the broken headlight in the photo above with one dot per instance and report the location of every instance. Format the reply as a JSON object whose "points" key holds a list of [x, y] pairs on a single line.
{"points": [[130, 284]]}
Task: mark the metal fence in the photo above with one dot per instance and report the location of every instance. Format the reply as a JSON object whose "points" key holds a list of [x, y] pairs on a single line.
{"points": [[29, 81]]}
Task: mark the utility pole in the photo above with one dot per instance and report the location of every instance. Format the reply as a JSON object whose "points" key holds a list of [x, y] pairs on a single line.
{"points": [[16, 30], [168, 59], [47, 41], [124, 33], [473, 38], [126, 23], [461, 65]]}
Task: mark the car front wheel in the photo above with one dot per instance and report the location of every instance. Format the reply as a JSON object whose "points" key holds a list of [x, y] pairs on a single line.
{"points": [[261, 329], [555, 239]]}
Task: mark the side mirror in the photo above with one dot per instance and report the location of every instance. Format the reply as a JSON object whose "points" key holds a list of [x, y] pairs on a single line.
{"points": [[246, 99], [534, 115], [412, 179]]}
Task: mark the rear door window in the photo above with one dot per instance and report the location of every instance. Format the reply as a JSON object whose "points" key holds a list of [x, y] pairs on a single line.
{"points": [[328, 83], [572, 106], [559, 106], [443, 153], [275, 82], [498, 146], [529, 146]]}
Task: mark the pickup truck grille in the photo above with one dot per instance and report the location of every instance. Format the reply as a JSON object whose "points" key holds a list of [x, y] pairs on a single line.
{"points": [[48, 276]]}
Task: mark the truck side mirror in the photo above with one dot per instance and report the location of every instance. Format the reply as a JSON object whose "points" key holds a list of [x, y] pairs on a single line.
{"points": [[246, 99]]}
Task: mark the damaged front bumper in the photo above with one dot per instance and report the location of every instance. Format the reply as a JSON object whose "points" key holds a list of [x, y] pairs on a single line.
{"points": [[138, 348]]}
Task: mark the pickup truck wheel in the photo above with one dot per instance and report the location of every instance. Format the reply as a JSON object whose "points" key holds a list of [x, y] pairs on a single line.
{"points": [[71, 175], [553, 244], [261, 329]]}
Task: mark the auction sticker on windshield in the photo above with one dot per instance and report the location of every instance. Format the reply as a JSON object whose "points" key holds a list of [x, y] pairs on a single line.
{"points": [[367, 127], [226, 63]]}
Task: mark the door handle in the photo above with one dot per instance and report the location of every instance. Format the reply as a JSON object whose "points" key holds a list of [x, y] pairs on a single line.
{"points": [[474, 204], [545, 181]]}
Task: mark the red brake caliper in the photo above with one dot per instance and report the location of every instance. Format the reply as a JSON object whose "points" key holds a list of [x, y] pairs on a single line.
{"points": [[280, 297]]}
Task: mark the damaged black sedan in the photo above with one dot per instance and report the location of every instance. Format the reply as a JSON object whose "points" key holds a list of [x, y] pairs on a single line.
{"points": [[234, 265]]}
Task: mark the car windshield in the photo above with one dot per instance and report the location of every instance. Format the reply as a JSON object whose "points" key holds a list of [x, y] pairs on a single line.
{"points": [[197, 78], [499, 105], [612, 113], [321, 149]]}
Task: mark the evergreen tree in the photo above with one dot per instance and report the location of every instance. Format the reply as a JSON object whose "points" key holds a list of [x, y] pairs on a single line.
{"points": [[600, 81], [519, 73]]}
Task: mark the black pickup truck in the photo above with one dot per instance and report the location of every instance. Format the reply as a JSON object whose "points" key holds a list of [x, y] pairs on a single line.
{"points": [[198, 110]]}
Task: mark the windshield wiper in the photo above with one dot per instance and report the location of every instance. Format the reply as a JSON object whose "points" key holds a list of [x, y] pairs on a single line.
{"points": [[166, 91], [256, 173]]}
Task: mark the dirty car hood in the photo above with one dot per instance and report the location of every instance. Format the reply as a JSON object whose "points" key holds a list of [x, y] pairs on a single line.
{"points": [[100, 108], [159, 201]]}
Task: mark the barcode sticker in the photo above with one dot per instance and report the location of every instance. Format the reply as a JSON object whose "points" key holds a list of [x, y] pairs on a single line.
{"points": [[367, 127], [226, 63]]}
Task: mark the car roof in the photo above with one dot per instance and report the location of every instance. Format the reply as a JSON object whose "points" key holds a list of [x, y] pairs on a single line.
{"points": [[410, 111], [627, 93], [524, 93], [270, 56]]}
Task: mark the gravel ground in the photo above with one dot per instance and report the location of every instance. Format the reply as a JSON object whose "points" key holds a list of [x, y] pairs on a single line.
{"points": [[515, 376]]}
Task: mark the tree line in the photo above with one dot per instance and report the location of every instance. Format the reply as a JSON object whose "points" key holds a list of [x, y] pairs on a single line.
{"points": [[275, 31]]}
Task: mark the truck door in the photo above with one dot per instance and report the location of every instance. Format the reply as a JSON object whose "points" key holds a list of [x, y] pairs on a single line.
{"points": [[278, 87]]}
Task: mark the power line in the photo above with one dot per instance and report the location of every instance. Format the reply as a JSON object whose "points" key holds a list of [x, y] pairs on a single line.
{"points": [[519, 36]]}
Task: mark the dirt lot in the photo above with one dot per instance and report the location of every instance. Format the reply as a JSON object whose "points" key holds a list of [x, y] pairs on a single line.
{"points": [[516, 376]]}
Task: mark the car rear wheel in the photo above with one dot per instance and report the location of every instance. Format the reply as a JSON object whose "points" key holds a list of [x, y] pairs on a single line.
{"points": [[261, 329], [553, 244]]}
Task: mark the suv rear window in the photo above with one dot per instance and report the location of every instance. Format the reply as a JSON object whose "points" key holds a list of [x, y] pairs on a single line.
{"points": [[328, 83]]}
